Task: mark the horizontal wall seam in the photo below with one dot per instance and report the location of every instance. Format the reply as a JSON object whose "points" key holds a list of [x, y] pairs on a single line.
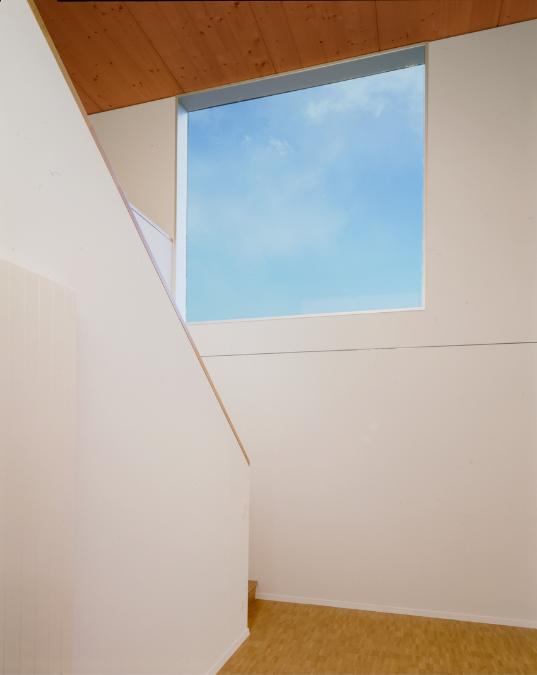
{"points": [[373, 349]]}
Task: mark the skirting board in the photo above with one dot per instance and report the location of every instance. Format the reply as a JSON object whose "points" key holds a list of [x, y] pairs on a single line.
{"points": [[229, 652], [429, 613]]}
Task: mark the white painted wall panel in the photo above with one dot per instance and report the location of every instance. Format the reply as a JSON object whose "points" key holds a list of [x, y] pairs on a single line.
{"points": [[37, 444], [393, 479], [139, 142], [161, 486]]}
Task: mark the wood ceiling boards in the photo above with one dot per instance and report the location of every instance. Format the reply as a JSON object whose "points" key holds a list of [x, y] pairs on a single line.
{"points": [[123, 53]]}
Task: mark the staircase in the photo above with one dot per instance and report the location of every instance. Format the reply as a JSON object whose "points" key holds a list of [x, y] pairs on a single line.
{"points": [[252, 585]]}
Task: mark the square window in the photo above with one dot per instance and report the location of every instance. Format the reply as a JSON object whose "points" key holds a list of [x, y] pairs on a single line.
{"points": [[308, 200]]}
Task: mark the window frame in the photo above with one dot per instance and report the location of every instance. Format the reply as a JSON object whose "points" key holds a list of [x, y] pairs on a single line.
{"points": [[327, 73]]}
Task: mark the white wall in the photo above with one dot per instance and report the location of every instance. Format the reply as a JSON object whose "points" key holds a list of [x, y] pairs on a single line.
{"points": [[37, 444], [393, 479], [406, 477], [140, 144], [161, 486]]}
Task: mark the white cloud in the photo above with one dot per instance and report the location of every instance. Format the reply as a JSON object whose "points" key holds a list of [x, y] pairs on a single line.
{"points": [[366, 94], [359, 99], [279, 145], [281, 229]]}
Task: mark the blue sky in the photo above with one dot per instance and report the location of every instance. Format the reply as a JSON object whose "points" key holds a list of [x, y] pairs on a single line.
{"points": [[308, 202]]}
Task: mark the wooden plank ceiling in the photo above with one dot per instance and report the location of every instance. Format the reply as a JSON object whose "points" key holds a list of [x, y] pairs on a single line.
{"points": [[123, 53]]}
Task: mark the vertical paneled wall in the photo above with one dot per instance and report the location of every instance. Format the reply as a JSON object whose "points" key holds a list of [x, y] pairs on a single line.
{"points": [[37, 436]]}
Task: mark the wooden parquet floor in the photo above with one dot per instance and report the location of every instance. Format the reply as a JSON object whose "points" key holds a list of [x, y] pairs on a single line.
{"points": [[305, 639]]}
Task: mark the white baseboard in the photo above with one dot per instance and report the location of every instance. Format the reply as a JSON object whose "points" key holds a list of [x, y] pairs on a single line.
{"points": [[229, 652], [430, 613]]}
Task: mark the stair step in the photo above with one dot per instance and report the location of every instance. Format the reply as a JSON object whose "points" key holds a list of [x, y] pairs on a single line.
{"points": [[252, 585]]}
